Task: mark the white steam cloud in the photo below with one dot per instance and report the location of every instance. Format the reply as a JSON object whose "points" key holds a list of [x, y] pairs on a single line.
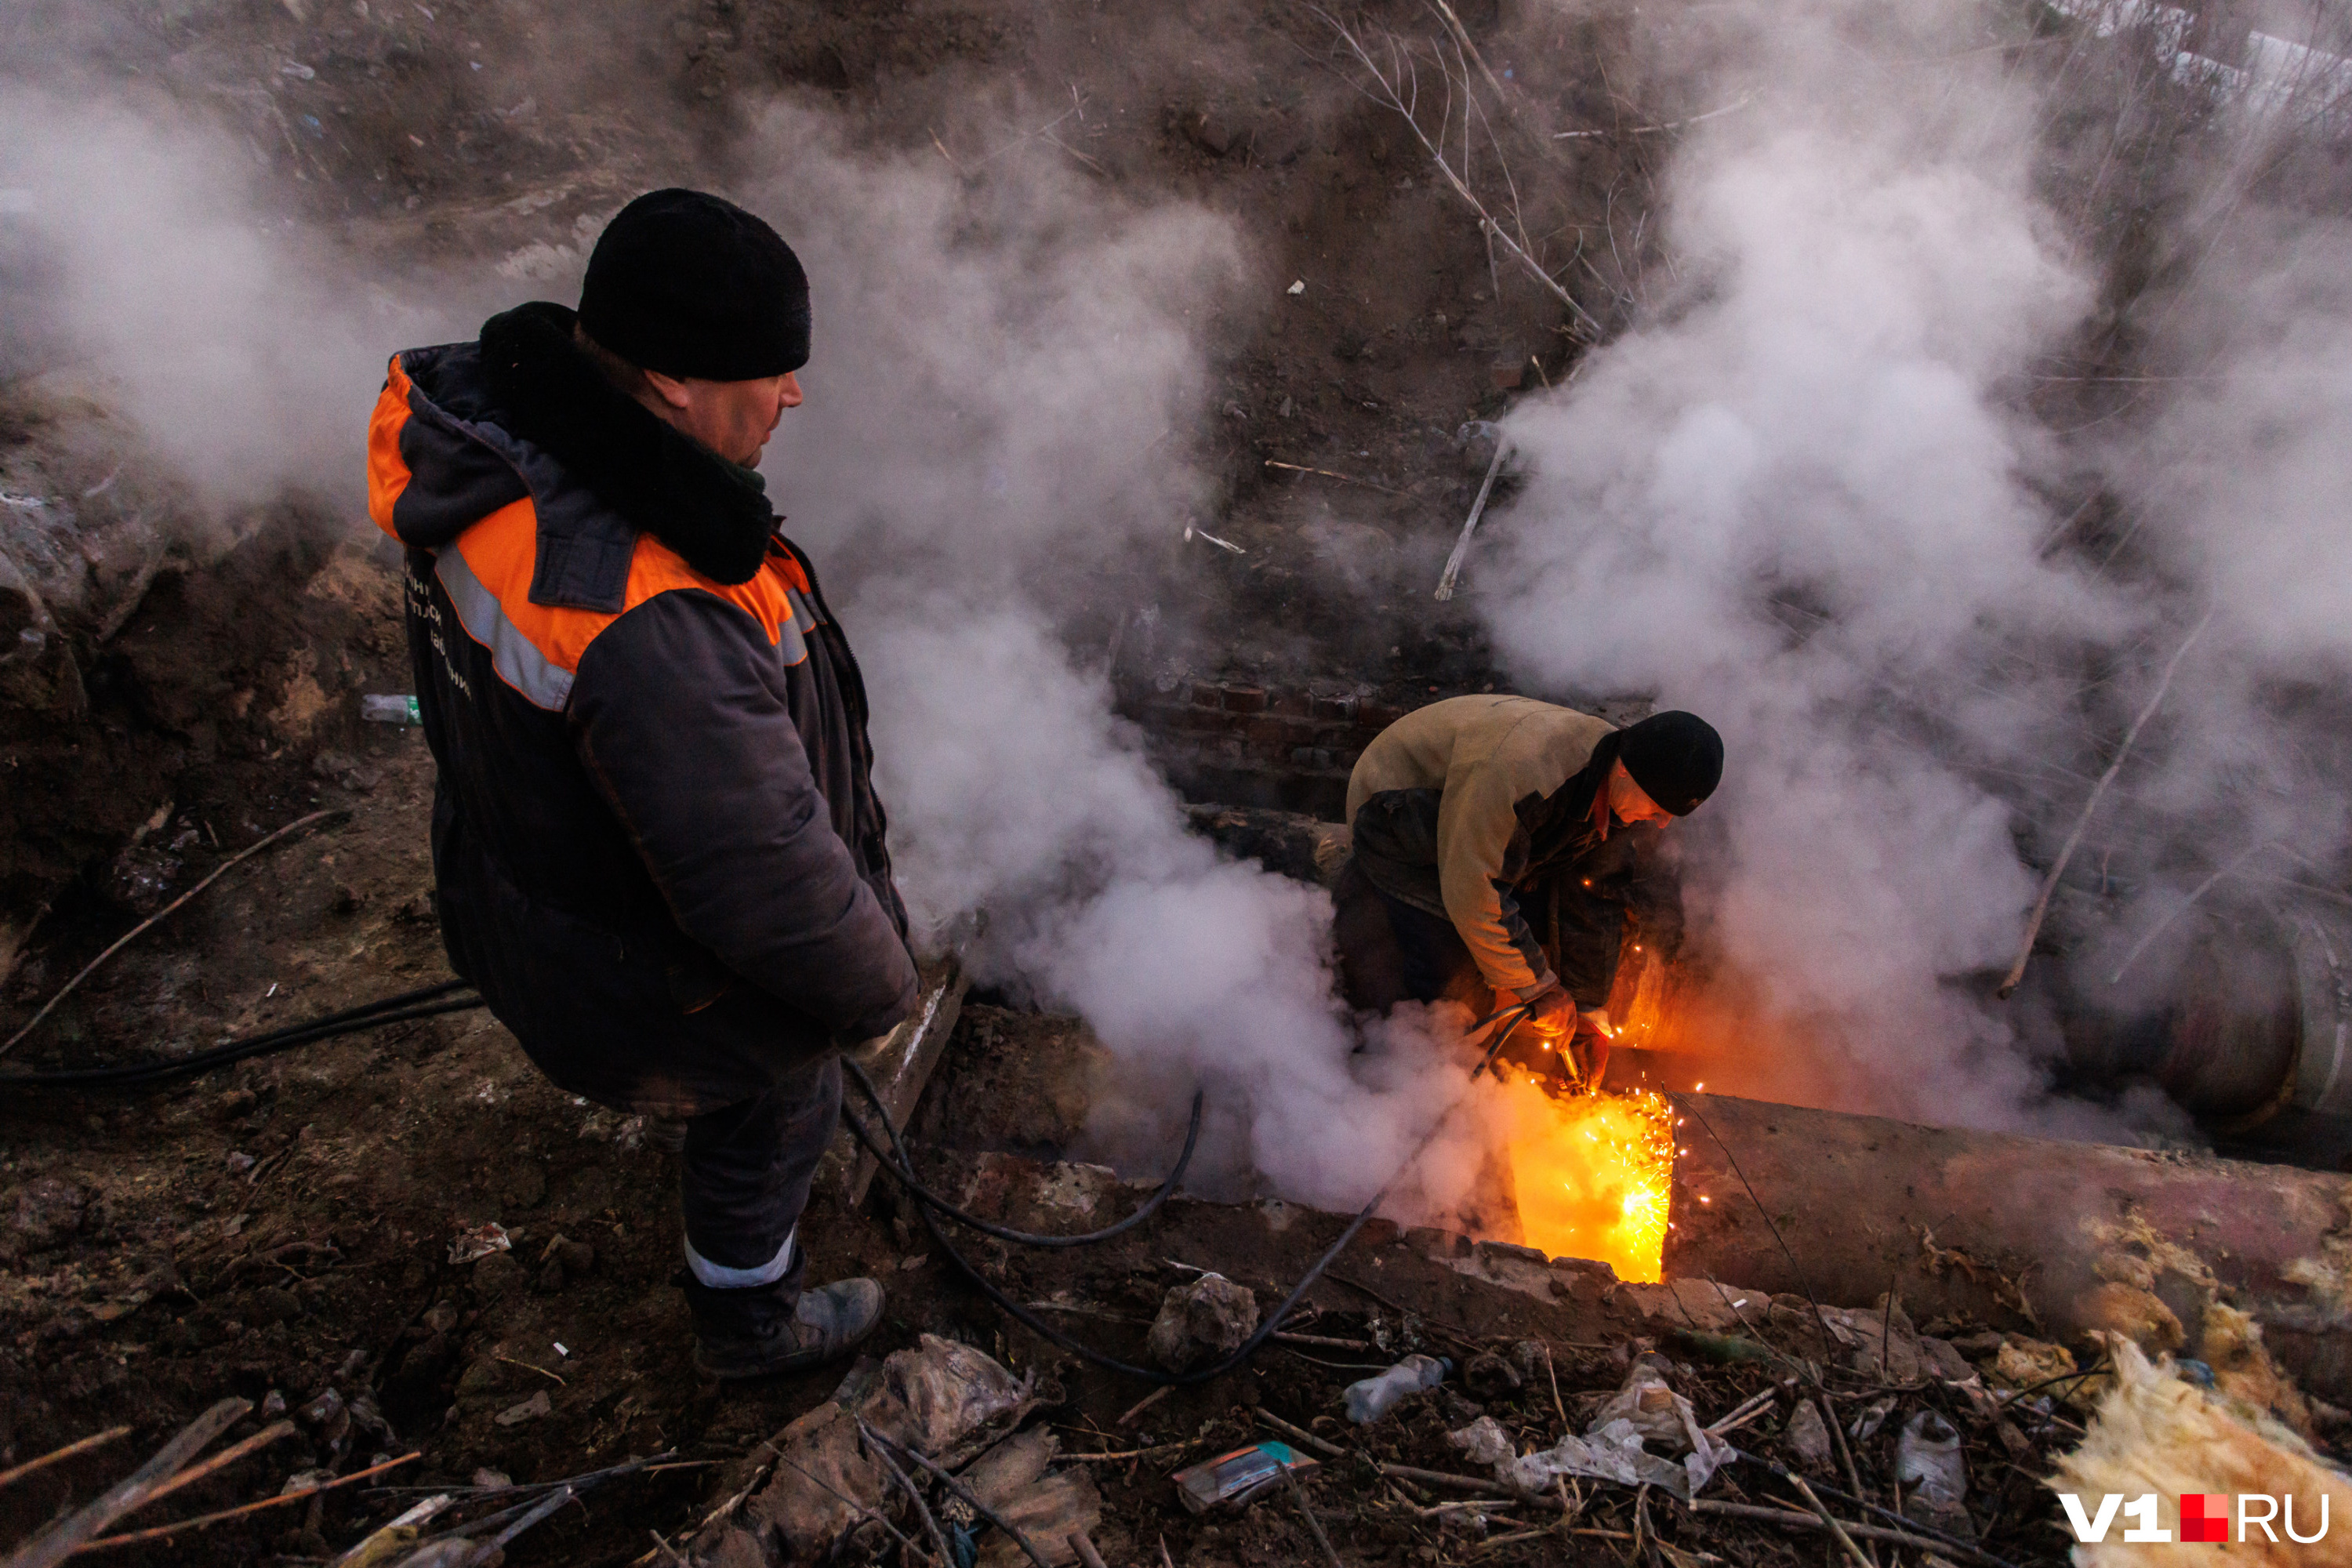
{"points": [[1005, 387], [1806, 498], [146, 265]]}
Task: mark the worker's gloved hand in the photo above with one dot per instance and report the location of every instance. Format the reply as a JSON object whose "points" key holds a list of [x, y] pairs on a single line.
{"points": [[1590, 1046], [1552, 1016]]}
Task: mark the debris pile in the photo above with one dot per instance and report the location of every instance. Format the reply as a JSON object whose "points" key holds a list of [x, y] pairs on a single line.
{"points": [[927, 1450]]}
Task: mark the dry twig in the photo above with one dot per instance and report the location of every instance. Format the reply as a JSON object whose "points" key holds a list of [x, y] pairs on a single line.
{"points": [[1314, 1524], [2066, 851], [1852, 1552], [63, 1538], [914, 1494], [1399, 88], [1477, 509], [204, 1520], [1853, 1472], [1327, 473], [79, 1445], [132, 934], [1301, 1434], [1020, 1537], [1789, 1519]]}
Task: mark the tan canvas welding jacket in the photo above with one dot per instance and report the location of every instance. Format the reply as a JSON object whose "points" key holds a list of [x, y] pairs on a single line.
{"points": [[1463, 807]]}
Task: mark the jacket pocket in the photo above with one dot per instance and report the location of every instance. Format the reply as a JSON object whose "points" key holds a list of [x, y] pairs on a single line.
{"points": [[696, 978]]}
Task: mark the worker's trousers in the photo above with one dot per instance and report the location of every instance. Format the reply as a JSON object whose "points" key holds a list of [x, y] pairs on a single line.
{"points": [[1391, 952], [744, 1175]]}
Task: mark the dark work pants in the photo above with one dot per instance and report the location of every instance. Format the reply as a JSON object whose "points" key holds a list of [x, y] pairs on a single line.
{"points": [[744, 1175], [1391, 952]]}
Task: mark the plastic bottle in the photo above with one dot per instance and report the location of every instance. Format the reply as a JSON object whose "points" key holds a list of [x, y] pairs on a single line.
{"points": [[1933, 1474], [1375, 1396], [1927, 1457], [390, 710]]}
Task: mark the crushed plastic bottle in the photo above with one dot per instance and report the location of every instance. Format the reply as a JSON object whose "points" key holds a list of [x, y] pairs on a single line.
{"points": [[1375, 1396], [391, 710], [1933, 1474]]}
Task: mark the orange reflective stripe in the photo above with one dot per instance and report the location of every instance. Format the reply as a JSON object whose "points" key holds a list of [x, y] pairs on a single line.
{"points": [[537, 648], [766, 598], [387, 470], [502, 550]]}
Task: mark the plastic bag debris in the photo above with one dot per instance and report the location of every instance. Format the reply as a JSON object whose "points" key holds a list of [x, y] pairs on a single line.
{"points": [[1612, 1447], [1809, 1434], [480, 1242], [1238, 1477], [1933, 1474]]}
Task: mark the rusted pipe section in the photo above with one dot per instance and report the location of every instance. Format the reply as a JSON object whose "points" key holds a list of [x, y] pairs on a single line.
{"points": [[2246, 1023], [2018, 1232]]}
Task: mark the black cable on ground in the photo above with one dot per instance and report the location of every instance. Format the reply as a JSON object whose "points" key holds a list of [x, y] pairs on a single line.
{"points": [[407, 1005], [907, 1179], [434, 1000], [1047, 1331]]}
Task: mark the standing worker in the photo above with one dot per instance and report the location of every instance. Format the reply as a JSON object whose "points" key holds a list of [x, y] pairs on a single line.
{"points": [[656, 840], [1482, 825]]}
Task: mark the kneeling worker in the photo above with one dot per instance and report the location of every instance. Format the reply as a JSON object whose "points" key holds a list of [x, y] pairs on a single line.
{"points": [[656, 840], [1468, 812]]}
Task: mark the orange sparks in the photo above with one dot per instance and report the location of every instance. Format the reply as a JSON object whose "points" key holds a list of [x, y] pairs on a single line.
{"points": [[1592, 1174]]}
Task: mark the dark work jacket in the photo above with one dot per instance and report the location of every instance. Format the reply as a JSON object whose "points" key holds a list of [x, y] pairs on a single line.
{"points": [[656, 843]]}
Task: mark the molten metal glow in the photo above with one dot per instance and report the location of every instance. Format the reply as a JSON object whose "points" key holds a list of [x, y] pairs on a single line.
{"points": [[1592, 1174]]}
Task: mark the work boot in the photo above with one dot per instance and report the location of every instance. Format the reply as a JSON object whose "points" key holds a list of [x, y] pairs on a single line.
{"points": [[759, 1332]]}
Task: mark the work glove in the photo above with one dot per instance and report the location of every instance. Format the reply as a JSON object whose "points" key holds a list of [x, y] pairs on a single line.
{"points": [[1552, 1016], [1589, 1047], [1581, 1034]]}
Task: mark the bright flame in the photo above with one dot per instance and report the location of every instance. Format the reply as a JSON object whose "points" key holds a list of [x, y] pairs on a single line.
{"points": [[1593, 1173]]}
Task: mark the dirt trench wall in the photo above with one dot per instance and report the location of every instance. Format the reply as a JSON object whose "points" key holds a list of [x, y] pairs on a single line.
{"points": [[169, 680]]}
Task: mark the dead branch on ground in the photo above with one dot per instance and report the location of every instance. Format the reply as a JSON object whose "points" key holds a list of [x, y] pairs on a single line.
{"points": [[1395, 77]]}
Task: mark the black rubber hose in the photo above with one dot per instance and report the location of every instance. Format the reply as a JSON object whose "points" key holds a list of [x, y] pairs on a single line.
{"points": [[907, 1179], [401, 1009], [1047, 1331]]}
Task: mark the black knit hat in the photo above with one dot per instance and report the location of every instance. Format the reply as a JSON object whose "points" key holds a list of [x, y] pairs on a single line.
{"points": [[1675, 757], [686, 284]]}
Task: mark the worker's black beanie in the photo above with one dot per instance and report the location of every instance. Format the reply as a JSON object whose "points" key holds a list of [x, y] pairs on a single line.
{"points": [[1675, 757], [688, 285]]}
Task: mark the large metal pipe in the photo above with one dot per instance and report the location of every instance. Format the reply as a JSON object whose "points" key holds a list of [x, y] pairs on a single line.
{"points": [[1976, 1223], [2248, 1024], [2242, 1023]]}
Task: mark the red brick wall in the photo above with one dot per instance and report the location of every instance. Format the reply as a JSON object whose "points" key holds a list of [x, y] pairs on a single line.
{"points": [[1252, 745]]}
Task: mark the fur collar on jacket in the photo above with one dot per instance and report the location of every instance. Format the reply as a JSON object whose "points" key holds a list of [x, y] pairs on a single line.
{"points": [[661, 480]]}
